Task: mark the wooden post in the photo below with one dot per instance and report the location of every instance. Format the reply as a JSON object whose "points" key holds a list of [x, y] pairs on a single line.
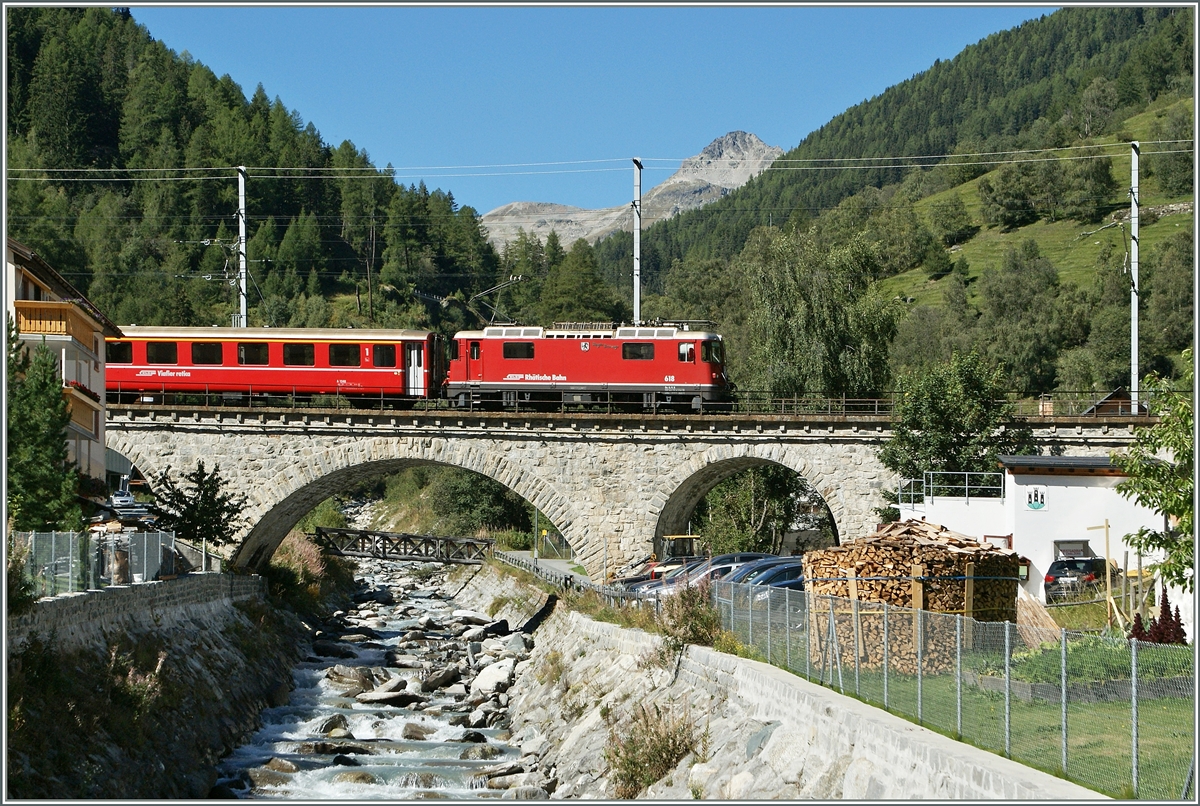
{"points": [[1141, 591], [1126, 586]]}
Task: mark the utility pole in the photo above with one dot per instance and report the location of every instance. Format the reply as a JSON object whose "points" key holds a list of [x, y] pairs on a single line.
{"points": [[637, 241], [1135, 148], [242, 320]]}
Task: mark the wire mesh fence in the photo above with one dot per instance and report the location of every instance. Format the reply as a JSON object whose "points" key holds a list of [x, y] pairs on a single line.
{"points": [[69, 562], [1111, 714]]}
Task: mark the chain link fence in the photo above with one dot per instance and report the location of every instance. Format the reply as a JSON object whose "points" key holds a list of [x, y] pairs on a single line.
{"points": [[69, 562], [1114, 715]]}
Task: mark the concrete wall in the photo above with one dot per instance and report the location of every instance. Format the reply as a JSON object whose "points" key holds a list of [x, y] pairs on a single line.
{"points": [[81, 620]]}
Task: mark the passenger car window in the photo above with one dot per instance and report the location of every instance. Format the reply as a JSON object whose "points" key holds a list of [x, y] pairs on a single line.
{"points": [[343, 355], [299, 355], [385, 355], [119, 352], [252, 352], [518, 349], [162, 352], [206, 352], [637, 352]]}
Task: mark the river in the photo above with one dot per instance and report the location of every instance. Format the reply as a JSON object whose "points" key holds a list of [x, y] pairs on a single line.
{"points": [[331, 741]]}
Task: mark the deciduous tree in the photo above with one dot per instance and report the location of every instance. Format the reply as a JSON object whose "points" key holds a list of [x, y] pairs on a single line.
{"points": [[1165, 485]]}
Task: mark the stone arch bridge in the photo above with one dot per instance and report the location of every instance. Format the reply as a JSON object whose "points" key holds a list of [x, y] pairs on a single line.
{"points": [[611, 483]]}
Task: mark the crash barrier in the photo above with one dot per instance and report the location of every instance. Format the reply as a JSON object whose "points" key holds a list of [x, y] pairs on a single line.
{"points": [[1112, 714], [66, 562]]}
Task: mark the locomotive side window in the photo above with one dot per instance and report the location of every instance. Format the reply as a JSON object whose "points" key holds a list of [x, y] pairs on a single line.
{"points": [[453, 350], [206, 352], [299, 355], [343, 355], [637, 352], [518, 349], [687, 351], [162, 352], [119, 352], [252, 352], [385, 355], [712, 352]]}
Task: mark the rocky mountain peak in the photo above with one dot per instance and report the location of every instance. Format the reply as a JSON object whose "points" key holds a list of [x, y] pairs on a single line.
{"points": [[723, 165]]}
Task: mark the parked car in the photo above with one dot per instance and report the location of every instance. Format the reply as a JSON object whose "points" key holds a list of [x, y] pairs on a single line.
{"points": [[782, 572], [750, 570], [1075, 575], [122, 498]]}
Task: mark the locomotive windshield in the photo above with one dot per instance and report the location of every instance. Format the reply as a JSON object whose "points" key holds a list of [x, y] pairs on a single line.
{"points": [[712, 352]]}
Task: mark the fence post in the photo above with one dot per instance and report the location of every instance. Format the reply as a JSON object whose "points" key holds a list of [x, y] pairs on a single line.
{"points": [[768, 622], [958, 622], [53, 563], [807, 635], [750, 617], [1007, 690], [787, 627], [71, 549], [1063, 697], [1133, 681], [885, 656], [857, 643], [920, 661]]}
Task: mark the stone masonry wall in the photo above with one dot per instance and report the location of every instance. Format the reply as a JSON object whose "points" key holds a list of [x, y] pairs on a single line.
{"points": [[81, 620], [761, 732]]}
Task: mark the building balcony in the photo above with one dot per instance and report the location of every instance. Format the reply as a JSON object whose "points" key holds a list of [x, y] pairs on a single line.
{"points": [[48, 318]]}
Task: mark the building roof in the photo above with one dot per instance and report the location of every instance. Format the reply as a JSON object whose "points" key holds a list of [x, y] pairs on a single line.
{"points": [[33, 262], [1060, 465]]}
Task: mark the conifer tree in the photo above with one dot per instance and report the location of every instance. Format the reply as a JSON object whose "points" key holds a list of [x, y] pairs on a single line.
{"points": [[42, 481]]}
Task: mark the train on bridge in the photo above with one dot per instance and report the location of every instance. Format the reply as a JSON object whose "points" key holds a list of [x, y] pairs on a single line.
{"points": [[678, 366]]}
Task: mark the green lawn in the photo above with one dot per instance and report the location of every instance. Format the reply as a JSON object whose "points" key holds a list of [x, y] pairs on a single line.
{"points": [[1099, 734]]}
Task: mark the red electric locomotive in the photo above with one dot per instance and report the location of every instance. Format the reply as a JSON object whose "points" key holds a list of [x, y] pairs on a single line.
{"points": [[676, 365], [158, 363]]}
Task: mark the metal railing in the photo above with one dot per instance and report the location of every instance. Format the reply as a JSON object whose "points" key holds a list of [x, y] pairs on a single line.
{"points": [[947, 484], [1061, 404], [69, 562], [1111, 714]]}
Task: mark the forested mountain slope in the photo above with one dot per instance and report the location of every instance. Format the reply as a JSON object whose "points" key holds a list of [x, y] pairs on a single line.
{"points": [[806, 270]]}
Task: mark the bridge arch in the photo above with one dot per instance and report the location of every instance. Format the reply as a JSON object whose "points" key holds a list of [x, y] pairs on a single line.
{"points": [[278, 500], [695, 478]]}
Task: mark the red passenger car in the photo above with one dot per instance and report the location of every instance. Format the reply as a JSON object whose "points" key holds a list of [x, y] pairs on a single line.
{"points": [[673, 365], [158, 363]]}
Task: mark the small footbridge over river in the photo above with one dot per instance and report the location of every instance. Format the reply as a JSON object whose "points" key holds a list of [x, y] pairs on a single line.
{"points": [[400, 546], [612, 484]]}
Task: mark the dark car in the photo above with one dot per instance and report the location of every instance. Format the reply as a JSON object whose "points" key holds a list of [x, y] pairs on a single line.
{"points": [[750, 570], [1076, 575]]}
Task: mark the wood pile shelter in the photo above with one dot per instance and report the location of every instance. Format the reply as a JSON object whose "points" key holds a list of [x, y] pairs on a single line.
{"points": [[913, 567]]}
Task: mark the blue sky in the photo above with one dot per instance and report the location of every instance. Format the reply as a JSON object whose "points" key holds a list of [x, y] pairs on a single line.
{"points": [[439, 91]]}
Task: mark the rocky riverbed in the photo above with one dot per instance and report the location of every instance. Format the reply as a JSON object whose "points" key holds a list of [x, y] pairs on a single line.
{"points": [[403, 695]]}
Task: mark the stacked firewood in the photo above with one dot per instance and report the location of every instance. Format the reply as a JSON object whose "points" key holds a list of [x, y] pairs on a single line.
{"points": [[910, 566]]}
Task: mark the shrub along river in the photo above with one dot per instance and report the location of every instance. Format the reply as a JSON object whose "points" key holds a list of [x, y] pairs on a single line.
{"points": [[403, 696]]}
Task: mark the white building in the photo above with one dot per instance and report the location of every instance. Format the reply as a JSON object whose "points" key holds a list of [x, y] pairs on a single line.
{"points": [[45, 306], [1043, 507]]}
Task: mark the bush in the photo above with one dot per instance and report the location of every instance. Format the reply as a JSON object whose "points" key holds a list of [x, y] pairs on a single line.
{"points": [[646, 750], [688, 617], [303, 577]]}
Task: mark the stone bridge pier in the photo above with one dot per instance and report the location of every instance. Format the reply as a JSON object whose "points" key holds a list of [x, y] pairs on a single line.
{"points": [[611, 485]]}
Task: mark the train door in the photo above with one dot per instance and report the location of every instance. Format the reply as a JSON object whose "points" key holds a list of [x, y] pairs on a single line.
{"points": [[474, 361], [414, 369]]}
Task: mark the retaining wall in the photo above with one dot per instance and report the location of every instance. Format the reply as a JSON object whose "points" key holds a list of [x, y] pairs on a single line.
{"points": [[768, 733], [81, 620]]}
